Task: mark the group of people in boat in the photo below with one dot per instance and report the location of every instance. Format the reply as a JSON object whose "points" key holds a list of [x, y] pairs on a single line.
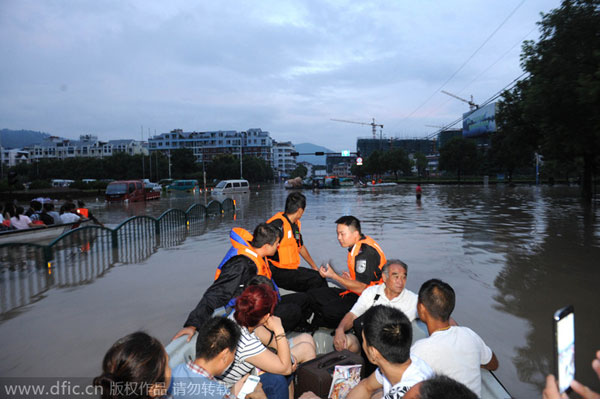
{"points": [[41, 214], [371, 313]]}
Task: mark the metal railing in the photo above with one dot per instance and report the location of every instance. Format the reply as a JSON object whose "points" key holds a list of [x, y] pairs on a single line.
{"points": [[81, 255]]}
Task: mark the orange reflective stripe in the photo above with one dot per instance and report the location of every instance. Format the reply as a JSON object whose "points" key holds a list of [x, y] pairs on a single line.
{"points": [[288, 251]]}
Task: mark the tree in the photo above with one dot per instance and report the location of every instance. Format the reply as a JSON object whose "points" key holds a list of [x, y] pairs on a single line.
{"points": [[421, 163], [517, 139], [299, 171], [563, 93], [396, 160], [375, 164], [183, 162], [459, 155]]}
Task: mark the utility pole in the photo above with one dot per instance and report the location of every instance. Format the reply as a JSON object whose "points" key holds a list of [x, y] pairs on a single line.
{"points": [[149, 155], [241, 143], [169, 154], [142, 145]]}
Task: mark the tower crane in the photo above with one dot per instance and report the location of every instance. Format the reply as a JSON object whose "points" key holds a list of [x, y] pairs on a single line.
{"points": [[372, 124], [472, 105]]}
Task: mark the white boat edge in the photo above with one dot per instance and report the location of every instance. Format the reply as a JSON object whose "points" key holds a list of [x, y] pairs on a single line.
{"points": [[37, 234]]}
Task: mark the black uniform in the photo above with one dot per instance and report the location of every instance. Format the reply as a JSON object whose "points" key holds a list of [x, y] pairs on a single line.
{"points": [[327, 304], [235, 273]]}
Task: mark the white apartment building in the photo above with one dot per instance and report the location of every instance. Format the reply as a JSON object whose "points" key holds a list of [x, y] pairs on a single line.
{"points": [[283, 161]]}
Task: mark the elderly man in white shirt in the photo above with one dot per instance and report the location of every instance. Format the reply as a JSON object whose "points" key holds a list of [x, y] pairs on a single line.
{"points": [[390, 293]]}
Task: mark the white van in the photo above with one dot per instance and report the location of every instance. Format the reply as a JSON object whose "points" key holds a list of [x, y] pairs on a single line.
{"points": [[232, 187]]}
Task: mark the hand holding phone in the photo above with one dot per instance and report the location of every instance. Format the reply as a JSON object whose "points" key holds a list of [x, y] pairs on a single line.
{"points": [[248, 386], [564, 344]]}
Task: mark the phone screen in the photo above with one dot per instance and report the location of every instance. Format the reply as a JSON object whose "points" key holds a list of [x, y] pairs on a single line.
{"points": [[565, 347], [248, 386]]}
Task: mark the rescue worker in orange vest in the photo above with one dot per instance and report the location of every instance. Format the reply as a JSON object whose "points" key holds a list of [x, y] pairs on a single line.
{"points": [[245, 260], [285, 264], [365, 260]]}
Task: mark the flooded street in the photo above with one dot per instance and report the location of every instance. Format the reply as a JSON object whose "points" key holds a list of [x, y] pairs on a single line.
{"points": [[513, 256]]}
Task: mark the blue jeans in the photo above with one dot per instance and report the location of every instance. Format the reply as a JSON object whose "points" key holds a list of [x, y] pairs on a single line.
{"points": [[275, 385]]}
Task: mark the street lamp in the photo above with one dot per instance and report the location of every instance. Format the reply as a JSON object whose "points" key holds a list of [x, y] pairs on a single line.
{"points": [[242, 134]]}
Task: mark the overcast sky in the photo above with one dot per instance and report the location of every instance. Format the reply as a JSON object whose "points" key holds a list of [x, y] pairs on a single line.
{"points": [[109, 67]]}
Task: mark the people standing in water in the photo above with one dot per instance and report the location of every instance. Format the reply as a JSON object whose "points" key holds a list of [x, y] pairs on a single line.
{"points": [[285, 263], [418, 191], [365, 260]]}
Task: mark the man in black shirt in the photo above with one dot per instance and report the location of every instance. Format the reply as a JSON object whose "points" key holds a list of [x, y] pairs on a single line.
{"points": [[365, 260]]}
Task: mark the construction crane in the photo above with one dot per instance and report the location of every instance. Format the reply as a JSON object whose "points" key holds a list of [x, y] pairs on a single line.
{"points": [[372, 124], [472, 105]]}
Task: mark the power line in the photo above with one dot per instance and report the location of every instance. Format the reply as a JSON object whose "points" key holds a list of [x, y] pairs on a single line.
{"points": [[466, 61], [486, 102]]}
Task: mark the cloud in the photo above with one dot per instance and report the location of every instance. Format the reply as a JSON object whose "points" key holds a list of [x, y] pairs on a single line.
{"points": [[108, 67]]}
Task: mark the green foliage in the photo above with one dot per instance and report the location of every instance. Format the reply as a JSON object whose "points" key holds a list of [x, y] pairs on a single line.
{"points": [[458, 155], [299, 171], [183, 163], [39, 184], [562, 95], [396, 160], [228, 167], [421, 163]]}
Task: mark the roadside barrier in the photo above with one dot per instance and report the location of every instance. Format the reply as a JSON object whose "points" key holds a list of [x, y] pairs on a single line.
{"points": [[81, 255]]}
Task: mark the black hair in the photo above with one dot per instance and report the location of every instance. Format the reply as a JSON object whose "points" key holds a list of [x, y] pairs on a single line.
{"points": [[260, 279], [442, 387], [265, 234], [389, 331], [136, 358], [218, 334], [438, 298], [18, 212], [350, 221], [35, 205], [81, 204], [294, 202], [48, 206], [385, 268]]}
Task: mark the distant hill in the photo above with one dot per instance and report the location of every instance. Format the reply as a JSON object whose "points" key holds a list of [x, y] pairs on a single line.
{"points": [[20, 138], [314, 159]]}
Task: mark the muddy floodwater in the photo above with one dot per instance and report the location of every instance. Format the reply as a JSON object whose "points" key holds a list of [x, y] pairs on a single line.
{"points": [[513, 255]]}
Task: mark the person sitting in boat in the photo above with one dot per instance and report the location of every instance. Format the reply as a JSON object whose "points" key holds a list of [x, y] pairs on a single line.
{"points": [[440, 387], [137, 365], [387, 336], [260, 328], [215, 350], [391, 292], [67, 213], [19, 221], [455, 351], [244, 260], [49, 210], [365, 260], [285, 263]]}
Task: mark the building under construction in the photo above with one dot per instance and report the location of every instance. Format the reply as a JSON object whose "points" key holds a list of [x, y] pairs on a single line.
{"points": [[366, 146]]}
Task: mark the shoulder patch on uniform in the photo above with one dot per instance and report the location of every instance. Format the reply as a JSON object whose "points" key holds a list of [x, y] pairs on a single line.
{"points": [[361, 266]]}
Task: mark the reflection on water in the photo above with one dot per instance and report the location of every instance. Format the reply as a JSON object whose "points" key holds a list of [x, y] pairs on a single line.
{"points": [[27, 271], [513, 255]]}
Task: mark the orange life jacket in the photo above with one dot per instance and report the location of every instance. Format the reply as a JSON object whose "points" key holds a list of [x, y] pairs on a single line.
{"points": [[288, 251], [240, 245], [352, 260], [83, 212]]}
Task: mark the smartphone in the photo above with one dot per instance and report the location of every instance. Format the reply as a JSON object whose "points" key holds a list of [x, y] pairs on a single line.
{"points": [[564, 347], [248, 386]]}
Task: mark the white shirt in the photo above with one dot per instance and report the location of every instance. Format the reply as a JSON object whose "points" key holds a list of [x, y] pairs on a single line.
{"points": [[406, 301], [21, 223], [69, 217], [415, 373], [457, 352]]}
